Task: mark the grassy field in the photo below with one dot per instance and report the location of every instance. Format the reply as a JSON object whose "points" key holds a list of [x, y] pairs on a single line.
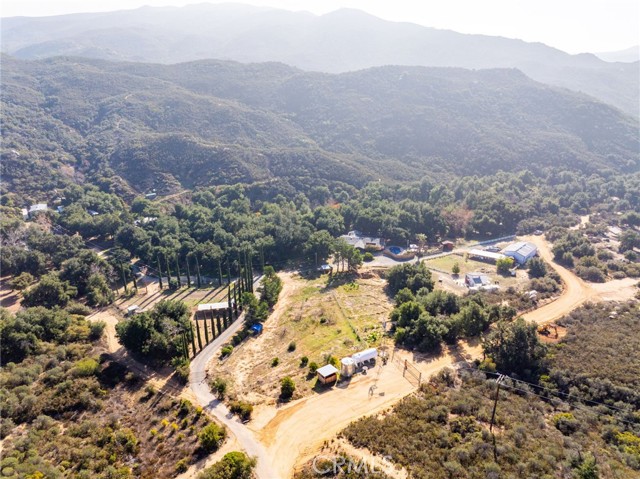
{"points": [[315, 320], [445, 263]]}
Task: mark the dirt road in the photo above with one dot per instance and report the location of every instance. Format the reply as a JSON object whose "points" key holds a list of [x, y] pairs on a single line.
{"points": [[576, 291]]}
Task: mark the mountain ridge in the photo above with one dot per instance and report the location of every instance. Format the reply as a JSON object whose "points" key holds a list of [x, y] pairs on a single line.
{"points": [[340, 41], [220, 122]]}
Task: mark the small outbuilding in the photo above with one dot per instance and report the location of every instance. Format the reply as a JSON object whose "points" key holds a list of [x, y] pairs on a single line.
{"points": [[476, 280], [133, 309], [327, 374], [447, 245], [36, 209], [521, 251], [209, 310]]}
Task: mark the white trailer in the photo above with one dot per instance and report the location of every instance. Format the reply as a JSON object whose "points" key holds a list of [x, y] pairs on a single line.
{"points": [[364, 356]]}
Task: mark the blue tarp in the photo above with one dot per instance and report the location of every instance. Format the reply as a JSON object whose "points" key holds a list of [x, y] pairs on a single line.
{"points": [[256, 328]]}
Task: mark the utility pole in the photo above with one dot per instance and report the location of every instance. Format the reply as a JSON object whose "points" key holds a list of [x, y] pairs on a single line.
{"points": [[493, 415]]}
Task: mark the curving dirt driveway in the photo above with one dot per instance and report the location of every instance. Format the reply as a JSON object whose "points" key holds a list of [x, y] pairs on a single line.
{"points": [[576, 291]]}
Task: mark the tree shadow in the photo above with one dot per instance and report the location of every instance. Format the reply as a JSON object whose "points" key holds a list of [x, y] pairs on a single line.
{"points": [[340, 279]]}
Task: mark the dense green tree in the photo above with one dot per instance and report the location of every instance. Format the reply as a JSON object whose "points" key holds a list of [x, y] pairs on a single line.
{"points": [[514, 347], [537, 267], [320, 245], [50, 292], [233, 465]]}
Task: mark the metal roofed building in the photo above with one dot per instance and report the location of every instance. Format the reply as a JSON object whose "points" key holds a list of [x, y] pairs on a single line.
{"points": [[521, 251], [216, 308], [485, 255]]}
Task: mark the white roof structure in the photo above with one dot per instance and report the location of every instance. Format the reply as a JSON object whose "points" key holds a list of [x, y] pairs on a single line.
{"points": [[478, 279], [38, 207], [328, 370], [486, 254], [521, 247], [355, 239], [214, 306]]}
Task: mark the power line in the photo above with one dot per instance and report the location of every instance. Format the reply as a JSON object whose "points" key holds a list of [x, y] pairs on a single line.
{"points": [[503, 383]]}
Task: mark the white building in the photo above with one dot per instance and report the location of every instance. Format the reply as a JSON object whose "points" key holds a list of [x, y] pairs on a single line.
{"points": [[521, 251]]}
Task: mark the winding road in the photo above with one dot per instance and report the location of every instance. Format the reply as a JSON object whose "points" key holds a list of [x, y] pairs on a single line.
{"points": [[200, 387]]}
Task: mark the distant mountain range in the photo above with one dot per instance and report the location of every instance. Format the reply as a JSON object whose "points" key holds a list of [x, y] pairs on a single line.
{"points": [[345, 40], [629, 55], [215, 122]]}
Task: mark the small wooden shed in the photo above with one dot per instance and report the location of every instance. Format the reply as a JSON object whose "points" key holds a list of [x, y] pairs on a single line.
{"points": [[327, 374]]}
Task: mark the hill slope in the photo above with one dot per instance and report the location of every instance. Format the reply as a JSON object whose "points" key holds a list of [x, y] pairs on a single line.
{"points": [[213, 122], [345, 40]]}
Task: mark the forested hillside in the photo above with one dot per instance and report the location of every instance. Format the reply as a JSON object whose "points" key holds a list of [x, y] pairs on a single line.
{"points": [[211, 122], [340, 41]]}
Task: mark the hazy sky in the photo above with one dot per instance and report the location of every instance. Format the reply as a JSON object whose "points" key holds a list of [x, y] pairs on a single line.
{"points": [[571, 25]]}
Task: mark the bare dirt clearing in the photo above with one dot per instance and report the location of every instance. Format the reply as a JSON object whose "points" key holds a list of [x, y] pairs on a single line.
{"points": [[9, 298], [320, 320]]}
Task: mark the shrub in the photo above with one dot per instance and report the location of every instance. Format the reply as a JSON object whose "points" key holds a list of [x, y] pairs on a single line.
{"points": [[86, 367], [78, 308], [287, 388], [210, 437], [242, 409], [219, 388], [313, 367], [181, 366], [292, 347], [182, 466], [275, 362], [368, 257], [566, 423], [304, 361], [226, 350], [455, 269], [234, 465]]}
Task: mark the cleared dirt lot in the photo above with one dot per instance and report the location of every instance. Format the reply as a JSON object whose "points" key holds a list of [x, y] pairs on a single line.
{"points": [[321, 320]]}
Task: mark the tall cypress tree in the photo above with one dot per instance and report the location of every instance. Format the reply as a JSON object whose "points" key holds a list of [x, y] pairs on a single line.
{"points": [[219, 321], [124, 278], [178, 272], [213, 327], [188, 272], [198, 272], [198, 333], [166, 261], [159, 270], [206, 333], [219, 272], [193, 339], [135, 282]]}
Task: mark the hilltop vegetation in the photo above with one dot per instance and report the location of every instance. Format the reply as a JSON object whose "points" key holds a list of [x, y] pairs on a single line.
{"points": [[340, 41], [85, 415], [139, 126]]}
